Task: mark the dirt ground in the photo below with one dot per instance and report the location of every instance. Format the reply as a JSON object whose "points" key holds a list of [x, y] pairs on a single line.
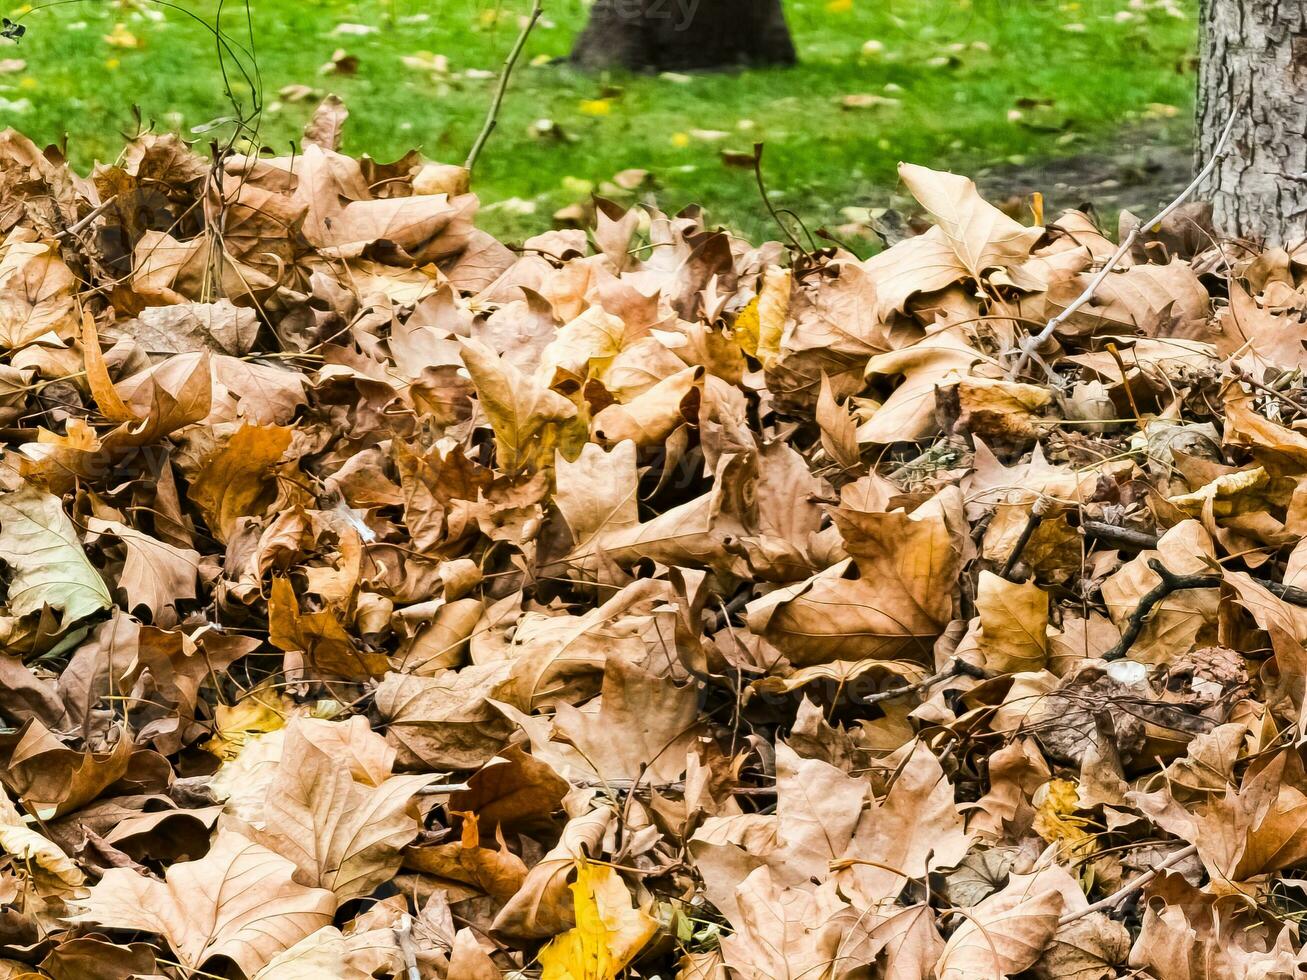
{"points": [[1148, 168]]}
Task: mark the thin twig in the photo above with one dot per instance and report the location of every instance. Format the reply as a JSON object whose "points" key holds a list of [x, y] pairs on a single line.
{"points": [[722, 618], [1037, 512], [1142, 541], [956, 667], [643, 788], [81, 224], [766, 201], [1130, 887], [492, 117], [1032, 343], [443, 789], [1248, 379], [1125, 383], [1170, 582], [404, 940], [1126, 537]]}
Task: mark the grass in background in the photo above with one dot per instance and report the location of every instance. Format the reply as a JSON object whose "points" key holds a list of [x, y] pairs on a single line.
{"points": [[946, 83]]}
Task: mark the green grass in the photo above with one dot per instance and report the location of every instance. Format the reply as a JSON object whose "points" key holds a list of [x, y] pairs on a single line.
{"points": [[1076, 71]]}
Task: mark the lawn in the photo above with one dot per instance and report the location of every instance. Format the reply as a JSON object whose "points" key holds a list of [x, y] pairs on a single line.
{"points": [[949, 83]]}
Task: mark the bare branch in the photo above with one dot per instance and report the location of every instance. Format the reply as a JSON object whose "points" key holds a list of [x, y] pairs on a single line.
{"points": [[1032, 343], [1130, 887], [955, 668], [492, 117]]}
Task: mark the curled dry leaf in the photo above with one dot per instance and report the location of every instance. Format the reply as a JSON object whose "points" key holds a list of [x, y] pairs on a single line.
{"points": [[381, 600]]}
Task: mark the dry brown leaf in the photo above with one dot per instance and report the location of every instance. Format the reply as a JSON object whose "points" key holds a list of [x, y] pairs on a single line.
{"points": [[1004, 934], [156, 574], [235, 481], [238, 901], [36, 293], [342, 836], [525, 416], [1013, 624]]}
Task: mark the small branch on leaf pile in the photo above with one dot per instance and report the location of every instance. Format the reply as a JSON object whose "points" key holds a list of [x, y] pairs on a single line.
{"points": [[1143, 541], [1171, 582], [956, 668], [1037, 513], [1030, 345], [1122, 537], [1130, 887], [73, 230], [643, 788], [722, 618]]}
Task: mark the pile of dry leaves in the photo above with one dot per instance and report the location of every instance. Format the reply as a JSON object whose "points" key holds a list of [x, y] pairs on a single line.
{"points": [[381, 601]]}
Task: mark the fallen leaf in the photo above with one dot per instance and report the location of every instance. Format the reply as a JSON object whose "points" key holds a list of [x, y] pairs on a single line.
{"points": [[239, 901], [608, 933]]}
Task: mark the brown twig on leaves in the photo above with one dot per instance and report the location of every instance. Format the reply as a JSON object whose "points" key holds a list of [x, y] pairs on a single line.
{"points": [[956, 668], [443, 789], [492, 117], [1171, 582], [722, 618], [1032, 343], [1243, 375], [1037, 512], [1142, 541], [1125, 383], [404, 940], [73, 230], [643, 789], [1125, 537], [1130, 887]]}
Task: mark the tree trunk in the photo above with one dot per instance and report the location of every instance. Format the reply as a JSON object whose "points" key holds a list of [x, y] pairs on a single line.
{"points": [[683, 35], [1254, 63]]}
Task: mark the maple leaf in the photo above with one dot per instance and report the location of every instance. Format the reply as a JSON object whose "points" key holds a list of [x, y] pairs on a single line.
{"points": [[341, 835], [156, 575], [806, 590], [525, 415], [608, 933], [497, 872], [36, 293], [1004, 934], [235, 479], [238, 901]]}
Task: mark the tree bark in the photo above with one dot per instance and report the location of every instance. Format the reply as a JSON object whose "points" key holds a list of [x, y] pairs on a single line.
{"points": [[1254, 63], [684, 35]]}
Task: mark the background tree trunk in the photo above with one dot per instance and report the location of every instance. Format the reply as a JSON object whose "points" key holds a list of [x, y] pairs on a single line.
{"points": [[681, 35], [1254, 62]]}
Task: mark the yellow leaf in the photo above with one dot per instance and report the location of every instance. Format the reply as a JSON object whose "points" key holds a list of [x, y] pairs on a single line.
{"points": [[760, 325], [106, 396], [261, 711], [52, 871], [746, 328], [1055, 817], [1013, 624], [609, 930], [121, 37], [236, 480]]}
